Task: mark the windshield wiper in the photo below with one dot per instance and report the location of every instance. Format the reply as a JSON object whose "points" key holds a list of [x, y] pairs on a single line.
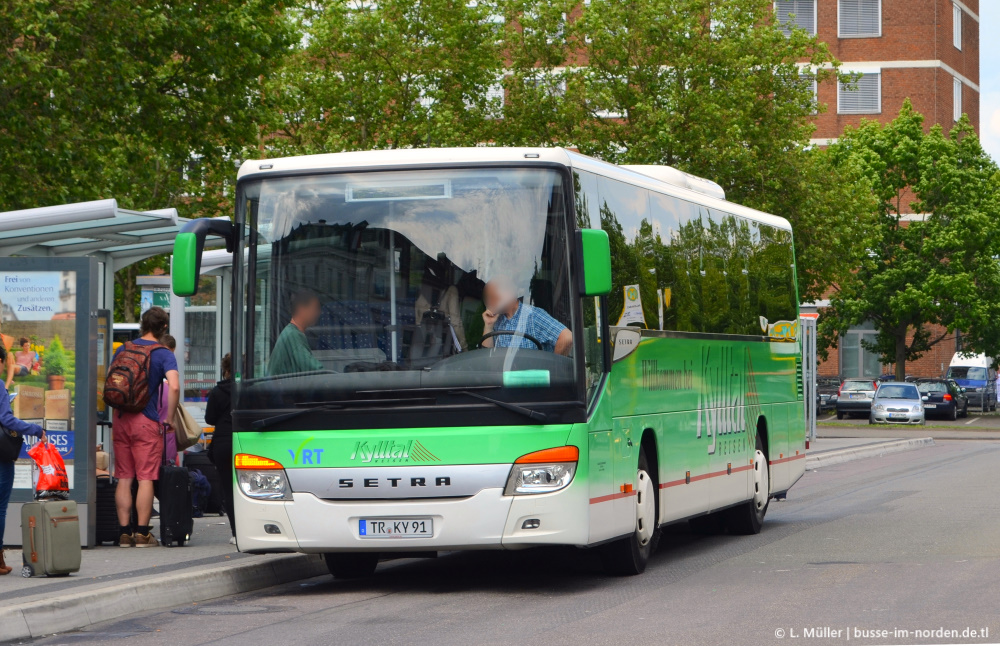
{"points": [[311, 407], [521, 410], [270, 421]]}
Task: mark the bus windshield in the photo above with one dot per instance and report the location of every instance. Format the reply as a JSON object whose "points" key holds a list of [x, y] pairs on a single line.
{"points": [[372, 289]]}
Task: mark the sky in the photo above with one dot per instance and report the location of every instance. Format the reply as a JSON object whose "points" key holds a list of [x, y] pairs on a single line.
{"points": [[989, 77]]}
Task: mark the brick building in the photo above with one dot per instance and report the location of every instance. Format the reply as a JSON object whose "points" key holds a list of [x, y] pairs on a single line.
{"points": [[924, 50]]}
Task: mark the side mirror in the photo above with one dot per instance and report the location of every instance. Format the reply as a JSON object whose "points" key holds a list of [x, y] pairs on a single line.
{"points": [[925, 398], [595, 256], [188, 247], [963, 390]]}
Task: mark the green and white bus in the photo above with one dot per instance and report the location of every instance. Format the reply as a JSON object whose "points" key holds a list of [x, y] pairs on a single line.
{"points": [[415, 428]]}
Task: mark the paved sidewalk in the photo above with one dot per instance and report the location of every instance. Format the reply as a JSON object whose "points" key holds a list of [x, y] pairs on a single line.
{"points": [[115, 582]]}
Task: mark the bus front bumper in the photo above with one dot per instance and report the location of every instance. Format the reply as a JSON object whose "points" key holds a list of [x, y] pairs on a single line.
{"points": [[487, 520]]}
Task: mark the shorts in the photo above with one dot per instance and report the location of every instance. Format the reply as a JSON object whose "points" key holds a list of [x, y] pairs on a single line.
{"points": [[138, 443]]}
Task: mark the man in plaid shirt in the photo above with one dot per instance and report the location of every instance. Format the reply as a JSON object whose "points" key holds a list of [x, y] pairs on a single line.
{"points": [[504, 313]]}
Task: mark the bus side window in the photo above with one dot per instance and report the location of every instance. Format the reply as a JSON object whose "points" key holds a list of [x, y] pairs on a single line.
{"points": [[624, 213]]}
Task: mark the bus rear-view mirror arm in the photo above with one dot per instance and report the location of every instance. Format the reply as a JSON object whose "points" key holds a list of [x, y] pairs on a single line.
{"points": [[188, 247], [595, 257]]}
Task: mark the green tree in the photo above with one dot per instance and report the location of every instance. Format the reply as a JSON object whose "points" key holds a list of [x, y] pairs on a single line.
{"points": [[388, 74], [938, 269], [711, 87], [147, 102]]}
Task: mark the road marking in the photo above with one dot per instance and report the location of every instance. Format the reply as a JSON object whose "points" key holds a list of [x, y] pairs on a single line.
{"points": [[974, 419]]}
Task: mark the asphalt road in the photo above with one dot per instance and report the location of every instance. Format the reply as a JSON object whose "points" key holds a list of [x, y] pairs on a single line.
{"points": [[910, 541]]}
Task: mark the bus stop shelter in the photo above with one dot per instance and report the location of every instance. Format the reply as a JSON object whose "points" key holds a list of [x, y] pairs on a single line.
{"points": [[89, 241]]}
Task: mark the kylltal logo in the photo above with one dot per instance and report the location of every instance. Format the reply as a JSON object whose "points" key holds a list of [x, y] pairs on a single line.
{"points": [[392, 451]]}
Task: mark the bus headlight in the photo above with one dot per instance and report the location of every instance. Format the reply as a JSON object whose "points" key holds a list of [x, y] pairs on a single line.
{"points": [[261, 478], [543, 471], [265, 485]]}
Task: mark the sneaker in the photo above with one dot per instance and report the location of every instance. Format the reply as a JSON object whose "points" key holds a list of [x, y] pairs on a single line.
{"points": [[126, 540], [147, 540], [232, 541]]}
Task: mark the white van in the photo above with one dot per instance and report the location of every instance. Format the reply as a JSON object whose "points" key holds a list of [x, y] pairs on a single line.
{"points": [[975, 373]]}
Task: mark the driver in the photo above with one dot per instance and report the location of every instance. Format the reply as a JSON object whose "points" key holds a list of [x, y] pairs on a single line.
{"points": [[291, 352], [505, 313]]}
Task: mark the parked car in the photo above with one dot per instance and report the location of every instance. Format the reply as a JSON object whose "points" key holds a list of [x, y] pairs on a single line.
{"points": [[891, 376], [975, 373], [826, 393], [855, 397], [897, 402], [944, 398]]}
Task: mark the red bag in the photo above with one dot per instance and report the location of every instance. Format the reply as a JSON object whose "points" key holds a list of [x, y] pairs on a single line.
{"points": [[53, 482]]}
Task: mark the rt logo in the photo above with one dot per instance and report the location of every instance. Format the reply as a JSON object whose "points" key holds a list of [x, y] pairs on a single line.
{"points": [[308, 456]]}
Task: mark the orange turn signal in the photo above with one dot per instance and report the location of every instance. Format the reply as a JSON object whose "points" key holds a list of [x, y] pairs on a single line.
{"points": [[255, 462], [557, 454]]}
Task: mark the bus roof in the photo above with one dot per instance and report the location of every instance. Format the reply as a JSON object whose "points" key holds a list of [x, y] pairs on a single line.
{"points": [[416, 157]]}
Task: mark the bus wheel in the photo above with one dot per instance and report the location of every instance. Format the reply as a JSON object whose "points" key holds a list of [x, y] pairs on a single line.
{"points": [[749, 517], [629, 556], [351, 566]]}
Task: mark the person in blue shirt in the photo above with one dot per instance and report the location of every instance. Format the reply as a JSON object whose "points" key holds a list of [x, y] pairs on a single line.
{"points": [[504, 312], [10, 423], [138, 437]]}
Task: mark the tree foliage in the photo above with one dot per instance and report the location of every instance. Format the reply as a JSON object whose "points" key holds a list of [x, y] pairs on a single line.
{"points": [[938, 269], [147, 102], [391, 74]]}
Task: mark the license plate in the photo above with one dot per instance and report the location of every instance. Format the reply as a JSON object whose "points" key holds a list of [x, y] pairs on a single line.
{"points": [[395, 528], [898, 415], [858, 396], [930, 405]]}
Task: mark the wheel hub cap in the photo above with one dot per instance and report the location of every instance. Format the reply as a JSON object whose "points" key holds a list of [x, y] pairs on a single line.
{"points": [[760, 481], [645, 508]]}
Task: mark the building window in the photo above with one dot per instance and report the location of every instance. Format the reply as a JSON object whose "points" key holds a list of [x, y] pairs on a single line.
{"points": [[956, 25], [860, 18], [800, 13], [861, 97], [957, 99], [857, 361], [809, 80]]}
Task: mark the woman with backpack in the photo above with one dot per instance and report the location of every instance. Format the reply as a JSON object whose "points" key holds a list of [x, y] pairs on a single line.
{"points": [[134, 378], [10, 426], [219, 413]]}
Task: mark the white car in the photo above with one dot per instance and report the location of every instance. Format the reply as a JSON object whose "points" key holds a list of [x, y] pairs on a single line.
{"points": [[897, 402]]}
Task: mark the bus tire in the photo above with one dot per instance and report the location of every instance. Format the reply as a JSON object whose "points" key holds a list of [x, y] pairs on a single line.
{"points": [[355, 565], [748, 518], [629, 556]]}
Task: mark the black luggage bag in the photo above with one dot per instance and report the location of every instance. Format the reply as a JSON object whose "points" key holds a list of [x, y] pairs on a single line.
{"points": [[174, 493], [201, 462], [106, 510]]}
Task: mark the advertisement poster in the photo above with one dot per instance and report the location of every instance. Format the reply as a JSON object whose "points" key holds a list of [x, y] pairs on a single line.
{"points": [[38, 326], [633, 308]]}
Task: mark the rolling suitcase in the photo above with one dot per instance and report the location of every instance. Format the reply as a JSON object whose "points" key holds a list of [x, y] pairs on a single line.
{"points": [[50, 535], [106, 510], [174, 492]]}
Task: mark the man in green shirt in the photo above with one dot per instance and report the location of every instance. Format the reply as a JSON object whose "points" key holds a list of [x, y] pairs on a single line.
{"points": [[291, 352]]}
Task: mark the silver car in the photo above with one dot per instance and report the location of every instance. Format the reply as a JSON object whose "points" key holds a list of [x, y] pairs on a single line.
{"points": [[897, 403]]}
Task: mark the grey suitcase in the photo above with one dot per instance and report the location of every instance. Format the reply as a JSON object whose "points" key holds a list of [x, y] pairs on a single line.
{"points": [[50, 538]]}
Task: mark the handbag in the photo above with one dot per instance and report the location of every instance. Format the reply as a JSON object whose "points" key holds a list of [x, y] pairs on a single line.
{"points": [[186, 429], [10, 445]]}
